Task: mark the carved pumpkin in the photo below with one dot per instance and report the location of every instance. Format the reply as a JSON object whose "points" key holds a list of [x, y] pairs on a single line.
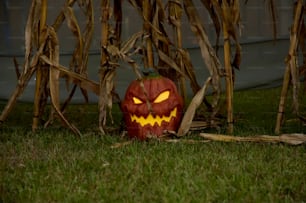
{"points": [[159, 94]]}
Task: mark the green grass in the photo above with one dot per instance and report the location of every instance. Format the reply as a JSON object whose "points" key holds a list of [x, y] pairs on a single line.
{"points": [[52, 165]]}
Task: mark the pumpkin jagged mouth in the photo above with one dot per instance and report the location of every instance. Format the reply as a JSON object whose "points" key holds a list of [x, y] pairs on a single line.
{"points": [[151, 120]]}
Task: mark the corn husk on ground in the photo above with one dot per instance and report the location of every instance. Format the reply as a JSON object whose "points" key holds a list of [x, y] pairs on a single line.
{"points": [[158, 42]]}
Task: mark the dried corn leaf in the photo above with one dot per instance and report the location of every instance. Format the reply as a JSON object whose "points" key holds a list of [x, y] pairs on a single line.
{"points": [[292, 139], [208, 53], [87, 34], [200, 125], [54, 80], [28, 35], [79, 59], [214, 16], [190, 112], [61, 17], [118, 19], [189, 70], [87, 37], [158, 33], [75, 29], [271, 5], [175, 12], [186, 141], [106, 86], [76, 60], [76, 78], [169, 61], [54, 73], [36, 29], [130, 43]]}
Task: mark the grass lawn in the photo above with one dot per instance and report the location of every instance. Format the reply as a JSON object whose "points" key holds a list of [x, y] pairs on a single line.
{"points": [[52, 165]]}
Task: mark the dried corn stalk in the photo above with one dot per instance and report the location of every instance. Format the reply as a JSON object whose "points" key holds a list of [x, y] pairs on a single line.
{"points": [[230, 17], [175, 15], [110, 55], [79, 60], [291, 72], [41, 73], [271, 5]]}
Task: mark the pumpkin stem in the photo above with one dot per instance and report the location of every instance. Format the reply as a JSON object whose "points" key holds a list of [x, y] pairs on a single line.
{"points": [[150, 72]]}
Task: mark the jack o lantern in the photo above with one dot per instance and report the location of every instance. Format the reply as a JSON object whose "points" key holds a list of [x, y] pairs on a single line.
{"points": [[151, 109]]}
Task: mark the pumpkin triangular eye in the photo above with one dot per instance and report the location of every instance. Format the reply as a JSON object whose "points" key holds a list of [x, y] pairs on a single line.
{"points": [[162, 97], [136, 100]]}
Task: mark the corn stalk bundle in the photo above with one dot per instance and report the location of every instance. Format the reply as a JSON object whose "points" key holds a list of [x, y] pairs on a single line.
{"points": [[42, 57], [225, 13], [152, 41]]}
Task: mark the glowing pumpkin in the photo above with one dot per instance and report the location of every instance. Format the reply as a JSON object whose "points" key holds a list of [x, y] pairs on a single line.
{"points": [[151, 112]]}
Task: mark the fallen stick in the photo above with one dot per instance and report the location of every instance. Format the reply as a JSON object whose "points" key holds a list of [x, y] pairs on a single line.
{"points": [[293, 139]]}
